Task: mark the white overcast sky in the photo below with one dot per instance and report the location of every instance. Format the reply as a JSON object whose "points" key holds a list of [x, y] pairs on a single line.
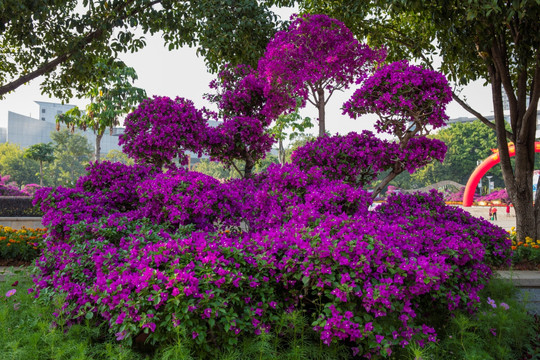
{"points": [[182, 73]]}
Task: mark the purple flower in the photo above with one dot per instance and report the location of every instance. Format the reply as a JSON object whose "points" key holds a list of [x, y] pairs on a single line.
{"points": [[491, 302], [11, 292], [150, 325], [121, 335], [207, 313], [504, 306]]}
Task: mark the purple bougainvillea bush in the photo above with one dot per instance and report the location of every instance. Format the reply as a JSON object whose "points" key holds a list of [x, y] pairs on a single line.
{"points": [[151, 250], [226, 260]]}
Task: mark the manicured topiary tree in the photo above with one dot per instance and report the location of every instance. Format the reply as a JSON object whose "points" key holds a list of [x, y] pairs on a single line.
{"points": [[246, 111], [313, 58], [161, 130], [409, 101]]}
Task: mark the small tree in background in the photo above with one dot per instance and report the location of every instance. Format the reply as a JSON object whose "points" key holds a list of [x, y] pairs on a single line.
{"points": [[42, 152], [111, 97], [316, 56], [295, 123], [72, 154]]}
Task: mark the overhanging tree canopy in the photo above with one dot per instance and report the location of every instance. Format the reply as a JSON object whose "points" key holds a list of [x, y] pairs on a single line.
{"points": [[63, 39]]}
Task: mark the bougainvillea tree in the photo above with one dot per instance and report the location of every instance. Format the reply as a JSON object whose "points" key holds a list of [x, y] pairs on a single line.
{"points": [[316, 56], [246, 111], [409, 101]]}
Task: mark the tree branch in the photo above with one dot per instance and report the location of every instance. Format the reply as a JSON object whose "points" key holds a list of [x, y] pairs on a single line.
{"points": [[79, 46], [480, 117]]}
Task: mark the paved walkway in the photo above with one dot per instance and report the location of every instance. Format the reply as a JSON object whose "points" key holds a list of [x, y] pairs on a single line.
{"points": [[502, 220]]}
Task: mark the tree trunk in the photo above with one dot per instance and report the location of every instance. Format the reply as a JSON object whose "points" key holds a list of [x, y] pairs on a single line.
{"points": [[281, 152], [40, 172], [320, 106], [248, 170], [97, 155], [518, 180]]}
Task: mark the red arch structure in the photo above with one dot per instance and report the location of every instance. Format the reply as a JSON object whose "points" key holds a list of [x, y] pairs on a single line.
{"points": [[483, 168]]}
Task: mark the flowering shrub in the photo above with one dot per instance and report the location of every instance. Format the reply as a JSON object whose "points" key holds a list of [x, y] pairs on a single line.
{"points": [[108, 188], [31, 189], [525, 254], [357, 159], [456, 196], [11, 191], [22, 244], [354, 158], [308, 243], [10, 188], [241, 138], [180, 197], [501, 195]]}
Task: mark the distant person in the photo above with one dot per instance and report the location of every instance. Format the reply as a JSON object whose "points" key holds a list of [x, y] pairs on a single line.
{"points": [[494, 212], [507, 210], [490, 213]]}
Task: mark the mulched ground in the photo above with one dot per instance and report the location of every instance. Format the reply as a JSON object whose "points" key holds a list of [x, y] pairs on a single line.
{"points": [[14, 263]]}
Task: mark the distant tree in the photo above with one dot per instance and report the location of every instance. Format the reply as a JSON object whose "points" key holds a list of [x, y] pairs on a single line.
{"points": [[289, 127], [22, 170], [42, 152], [118, 156], [111, 96], [72, 154], [467, 143], [315, 57]]}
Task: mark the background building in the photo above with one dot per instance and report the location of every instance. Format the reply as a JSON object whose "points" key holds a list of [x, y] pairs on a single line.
{"points": [[26, 131]]}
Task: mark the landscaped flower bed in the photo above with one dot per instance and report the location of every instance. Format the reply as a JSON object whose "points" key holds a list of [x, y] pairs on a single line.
{"points": [[19, 246]]}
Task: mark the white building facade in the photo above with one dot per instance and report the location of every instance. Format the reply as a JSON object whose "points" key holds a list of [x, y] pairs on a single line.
{"points": [[26, 131]]}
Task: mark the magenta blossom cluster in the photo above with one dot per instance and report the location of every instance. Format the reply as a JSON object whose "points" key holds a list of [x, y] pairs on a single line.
{"points": [[456, 196], [406, 98], [353, 158], [11, 191], [107, 189], [359, 158], [240, 137], [288, 192], [162, 129], [316, 51], [239, 91], [420, 151], [501, 195], [181, 197]]}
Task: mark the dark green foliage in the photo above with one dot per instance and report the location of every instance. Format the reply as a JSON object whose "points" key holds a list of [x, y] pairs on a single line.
{"points": [[18, 206]]}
